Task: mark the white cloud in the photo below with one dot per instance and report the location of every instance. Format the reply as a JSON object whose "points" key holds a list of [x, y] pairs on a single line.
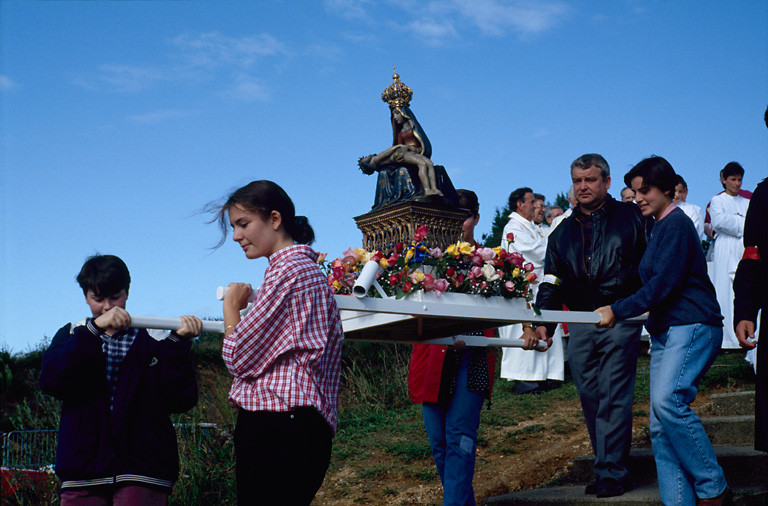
{"points": [[498, 17], [211, 50], [432, 31], [351, 9], [160, 115], [130, 78], [6, 83], [248, 89]]}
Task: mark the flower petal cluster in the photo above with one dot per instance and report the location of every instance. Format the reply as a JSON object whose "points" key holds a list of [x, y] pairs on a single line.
{"points": [[462, 268]]}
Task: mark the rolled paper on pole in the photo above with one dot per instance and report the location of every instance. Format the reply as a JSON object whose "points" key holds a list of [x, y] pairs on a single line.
{"points": [[366, 278], [154, 322], [222, 291]]}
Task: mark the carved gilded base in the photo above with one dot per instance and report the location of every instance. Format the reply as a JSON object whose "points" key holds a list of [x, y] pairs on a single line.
{"points": [[383, 228]]}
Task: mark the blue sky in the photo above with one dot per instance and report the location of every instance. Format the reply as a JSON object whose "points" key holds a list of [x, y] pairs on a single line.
{"points": [[119, 121]]}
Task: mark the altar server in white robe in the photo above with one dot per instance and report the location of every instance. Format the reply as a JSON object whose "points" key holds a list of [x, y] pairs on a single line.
{"points": [[691, 210], [728, 211], [525, 366]]}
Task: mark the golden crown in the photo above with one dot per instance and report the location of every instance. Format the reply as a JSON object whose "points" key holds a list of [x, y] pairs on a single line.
{"points": [[397, 94]]}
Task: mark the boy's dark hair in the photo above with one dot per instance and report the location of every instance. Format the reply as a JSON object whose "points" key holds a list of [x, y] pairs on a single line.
{"points": [[539, 196], [681, 181], [732, 169], [468, 200], [517, 196], [105, 275], [655, 171]]}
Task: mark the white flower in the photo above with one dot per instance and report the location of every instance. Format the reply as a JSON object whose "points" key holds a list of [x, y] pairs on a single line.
{"points": [[489, 272]]}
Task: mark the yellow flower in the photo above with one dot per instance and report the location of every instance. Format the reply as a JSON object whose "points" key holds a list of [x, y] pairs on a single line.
{"points": [[466, 248], [452, 250], [497, 250], [417, 276], [337, 285], [516, 272], [383, 263]]}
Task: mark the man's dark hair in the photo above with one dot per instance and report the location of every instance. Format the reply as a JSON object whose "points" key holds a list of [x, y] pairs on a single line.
{"points": [[105, 275], [655, 171], [732, 169], [518, 196], [539, 196]]}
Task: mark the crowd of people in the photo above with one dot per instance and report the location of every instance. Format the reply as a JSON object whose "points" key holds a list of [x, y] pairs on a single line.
{"points": [[618, 258]]}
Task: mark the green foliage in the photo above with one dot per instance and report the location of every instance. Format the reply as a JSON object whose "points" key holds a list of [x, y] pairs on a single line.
{"points": [[561, 201], [500, 219]]}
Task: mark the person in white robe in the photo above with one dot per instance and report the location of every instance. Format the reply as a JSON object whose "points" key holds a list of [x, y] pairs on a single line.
{"points": [[559, 219], [728, 211], [526, 366], [691, 210]]}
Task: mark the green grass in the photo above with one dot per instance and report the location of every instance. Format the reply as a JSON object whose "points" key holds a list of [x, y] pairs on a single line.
{"points": [[380, 432]]}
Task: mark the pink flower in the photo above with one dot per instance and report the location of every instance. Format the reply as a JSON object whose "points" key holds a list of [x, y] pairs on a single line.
{"points": [[436, 253], [349, 252], [321, 257], [348, 280], [421, 233], [486, 253], [528, 266], [509, 286], [428, 282], [440, 286], [475, 272], [516, 259]]}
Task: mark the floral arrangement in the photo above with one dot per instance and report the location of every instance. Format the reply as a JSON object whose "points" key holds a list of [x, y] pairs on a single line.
{"points": [[461, 268]]}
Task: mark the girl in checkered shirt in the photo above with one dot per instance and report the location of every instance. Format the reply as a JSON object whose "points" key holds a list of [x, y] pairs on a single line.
{"points": [[285, 354]]}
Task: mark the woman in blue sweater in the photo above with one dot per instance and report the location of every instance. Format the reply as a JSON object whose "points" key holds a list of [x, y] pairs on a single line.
{"points": [[686, 331]]}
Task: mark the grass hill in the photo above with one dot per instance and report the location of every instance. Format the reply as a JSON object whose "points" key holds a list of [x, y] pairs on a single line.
{"points": [[381, 454]]}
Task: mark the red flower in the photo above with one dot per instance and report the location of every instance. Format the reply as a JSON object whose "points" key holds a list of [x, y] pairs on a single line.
{"points": [[528, 266], [510, 237], [399, 247], [407, 287], [450, 272], [421, 233]]}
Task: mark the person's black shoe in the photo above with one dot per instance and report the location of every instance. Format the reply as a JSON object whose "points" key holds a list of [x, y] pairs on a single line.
{"points": [[591, 489], [609, 487]]}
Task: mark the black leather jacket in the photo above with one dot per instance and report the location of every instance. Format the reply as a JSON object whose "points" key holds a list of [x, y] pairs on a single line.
{"points": [[618, 243]]}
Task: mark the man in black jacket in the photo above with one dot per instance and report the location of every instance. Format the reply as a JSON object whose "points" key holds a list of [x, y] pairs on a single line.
{"points": [[591, 261]]}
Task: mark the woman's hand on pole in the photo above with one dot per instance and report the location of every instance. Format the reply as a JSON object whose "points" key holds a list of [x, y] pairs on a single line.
{"points": [[607, 318]]}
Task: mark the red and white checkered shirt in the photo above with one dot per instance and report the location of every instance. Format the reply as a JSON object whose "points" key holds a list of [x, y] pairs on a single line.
{"points": [[286, 352]]}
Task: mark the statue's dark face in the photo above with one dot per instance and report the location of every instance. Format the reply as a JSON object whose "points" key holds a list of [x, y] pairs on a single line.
{"points": [[397, 117]]}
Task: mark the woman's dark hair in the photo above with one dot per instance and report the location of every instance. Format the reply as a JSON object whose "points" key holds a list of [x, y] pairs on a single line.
{"points": [[655, 171], [468, 200], [105, 275], [517, 196], [263, 197]]}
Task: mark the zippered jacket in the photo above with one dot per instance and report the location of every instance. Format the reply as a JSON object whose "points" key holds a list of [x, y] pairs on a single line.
{"points": [[618, 243], [134, 442]]}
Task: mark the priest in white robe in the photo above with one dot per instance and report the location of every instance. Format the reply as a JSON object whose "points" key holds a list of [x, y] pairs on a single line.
{"points": [[526, 366], [727, 211], [691, 210]]}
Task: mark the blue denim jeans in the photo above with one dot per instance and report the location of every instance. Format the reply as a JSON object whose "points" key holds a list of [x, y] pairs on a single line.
{"points": [[685, 460], [452, 432]]}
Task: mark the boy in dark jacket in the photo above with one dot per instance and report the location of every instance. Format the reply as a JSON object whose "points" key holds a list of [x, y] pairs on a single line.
{"points": [[118, 385]]}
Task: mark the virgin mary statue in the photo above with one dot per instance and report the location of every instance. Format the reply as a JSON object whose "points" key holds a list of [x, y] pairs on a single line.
{"points": [[405, 170]]}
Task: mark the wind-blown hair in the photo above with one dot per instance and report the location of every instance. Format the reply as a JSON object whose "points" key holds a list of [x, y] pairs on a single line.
{"points": [[263, 197], [586, 161], [468, 200]]}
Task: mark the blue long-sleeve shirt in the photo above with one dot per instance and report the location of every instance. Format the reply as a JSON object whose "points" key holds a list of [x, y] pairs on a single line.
{"points": [[676, 289]]}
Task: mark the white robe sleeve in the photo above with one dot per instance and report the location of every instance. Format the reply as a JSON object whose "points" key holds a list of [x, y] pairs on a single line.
{"points": [[724, 221]]}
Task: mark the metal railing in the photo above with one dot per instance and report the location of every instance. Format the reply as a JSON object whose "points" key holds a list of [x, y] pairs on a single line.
{"points": [[29, 449]]}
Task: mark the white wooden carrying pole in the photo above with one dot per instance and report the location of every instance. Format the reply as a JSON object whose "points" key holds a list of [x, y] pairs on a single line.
{"points": [[422, 318]]}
